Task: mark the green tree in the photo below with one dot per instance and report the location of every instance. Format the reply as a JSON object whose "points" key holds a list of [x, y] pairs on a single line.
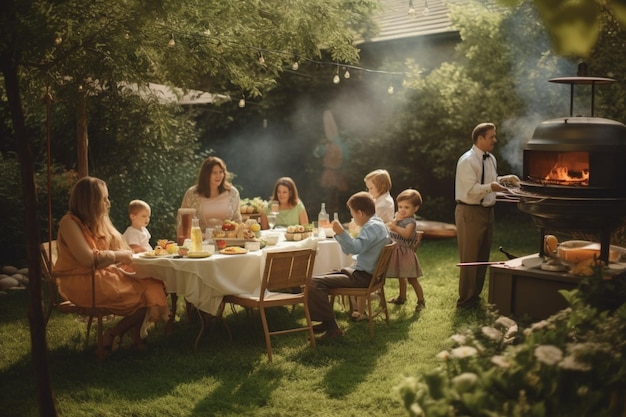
{"points": [[78, 54]]}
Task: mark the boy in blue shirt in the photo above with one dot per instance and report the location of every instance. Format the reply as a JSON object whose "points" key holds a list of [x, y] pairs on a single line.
{"points": [[367, 246]]}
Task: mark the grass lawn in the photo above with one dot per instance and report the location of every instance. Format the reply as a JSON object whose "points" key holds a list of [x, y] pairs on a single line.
{"points": [[353, 376]]}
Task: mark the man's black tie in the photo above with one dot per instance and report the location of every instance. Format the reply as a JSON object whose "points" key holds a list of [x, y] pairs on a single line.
{"points": [[482, 175]]}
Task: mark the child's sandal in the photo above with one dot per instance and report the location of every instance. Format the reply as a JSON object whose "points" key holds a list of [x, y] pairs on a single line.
{"points": [[397, 301]]}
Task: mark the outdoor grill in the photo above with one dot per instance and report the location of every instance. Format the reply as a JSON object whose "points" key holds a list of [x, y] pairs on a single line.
{"points": [[573, 180], [574, 174]]}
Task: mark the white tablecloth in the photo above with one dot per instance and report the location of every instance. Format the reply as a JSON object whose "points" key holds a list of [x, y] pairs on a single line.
{"points": [[204, 281]]}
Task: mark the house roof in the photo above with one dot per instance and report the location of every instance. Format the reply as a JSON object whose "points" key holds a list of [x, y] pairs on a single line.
{"points": [[398, 20]]}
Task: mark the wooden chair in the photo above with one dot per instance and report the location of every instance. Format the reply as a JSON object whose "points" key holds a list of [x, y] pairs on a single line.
{"points": [[283, 271], [377, 286], [56, 302]]}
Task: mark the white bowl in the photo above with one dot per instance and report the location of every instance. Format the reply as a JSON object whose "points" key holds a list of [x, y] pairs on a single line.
{"points": [[272, 238]]}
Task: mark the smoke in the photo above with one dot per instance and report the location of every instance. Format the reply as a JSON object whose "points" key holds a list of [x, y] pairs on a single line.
{"points": [[534, 65], [518, 131]]}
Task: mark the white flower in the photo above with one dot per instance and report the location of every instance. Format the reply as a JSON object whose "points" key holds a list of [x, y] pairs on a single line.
{"points": [[511, 332], [539, 325], [492, 333], [458, 338], [578, 349], [501, 361], [443, 355], [570, 363], [417, 410], [465, 382], [505, 322], [548, 354], [463, 352]]}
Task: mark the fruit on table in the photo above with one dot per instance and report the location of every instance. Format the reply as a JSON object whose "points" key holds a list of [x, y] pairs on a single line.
{"points": [[221, 244], [550, 243], [229, 226], [171, 248], [255, 227]]}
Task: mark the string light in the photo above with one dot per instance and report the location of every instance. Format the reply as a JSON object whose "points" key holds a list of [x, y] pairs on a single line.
{"points": [[242, 102], [58, 40], [390, 89], [296, 59]]}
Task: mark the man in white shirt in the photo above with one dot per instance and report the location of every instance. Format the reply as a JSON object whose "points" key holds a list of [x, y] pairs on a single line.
{"points": [[476, 185]]}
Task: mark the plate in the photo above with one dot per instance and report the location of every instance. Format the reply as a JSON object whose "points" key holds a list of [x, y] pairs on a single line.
{"points": [[233, 250], [152, 255], [231, 241], [198, 254]]}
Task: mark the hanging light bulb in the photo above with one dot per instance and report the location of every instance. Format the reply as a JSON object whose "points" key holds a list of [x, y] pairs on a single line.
{"points": [[261, 59], [172, 42], [58, 40], [242, 102], [346, 74], [390, 89], [336, 79], [426, 11], [127, 36], [295, 66], [411, 11]]}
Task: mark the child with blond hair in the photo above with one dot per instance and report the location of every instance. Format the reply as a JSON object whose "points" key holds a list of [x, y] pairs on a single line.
{"points": [[137, 235], [378, 184], [404, 264]]}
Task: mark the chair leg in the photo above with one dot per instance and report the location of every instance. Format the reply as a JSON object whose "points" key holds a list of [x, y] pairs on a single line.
{"points": [[370, 316], [89, 327], [266, 331], [383, 304], [201, 332], [99, 338]]}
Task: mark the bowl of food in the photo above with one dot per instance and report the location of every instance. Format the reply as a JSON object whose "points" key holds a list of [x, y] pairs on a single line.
{"points": [[272, 238]]}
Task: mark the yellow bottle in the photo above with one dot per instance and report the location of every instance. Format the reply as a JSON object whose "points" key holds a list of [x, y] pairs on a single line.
{"points": [[196, 236]]}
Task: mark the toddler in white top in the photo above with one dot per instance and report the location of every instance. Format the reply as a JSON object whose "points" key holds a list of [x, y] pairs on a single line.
{"points": [[137, 235]]}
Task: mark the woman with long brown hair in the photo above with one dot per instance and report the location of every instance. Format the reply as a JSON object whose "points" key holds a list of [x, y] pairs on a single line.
{"points": [[213, 196], [88, 243]]}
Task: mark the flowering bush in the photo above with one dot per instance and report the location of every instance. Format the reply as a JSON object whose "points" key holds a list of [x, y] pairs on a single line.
{"points": [[572, 364]]}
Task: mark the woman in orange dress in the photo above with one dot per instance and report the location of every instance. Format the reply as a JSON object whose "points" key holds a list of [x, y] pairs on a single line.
{"points": [[86, 240]]}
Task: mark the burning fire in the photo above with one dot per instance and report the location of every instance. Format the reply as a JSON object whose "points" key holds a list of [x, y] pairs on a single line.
{"points": [[563, 174]]}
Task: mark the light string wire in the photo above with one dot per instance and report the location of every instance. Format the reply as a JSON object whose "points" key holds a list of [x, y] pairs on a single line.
{"points": [[296, 57]]}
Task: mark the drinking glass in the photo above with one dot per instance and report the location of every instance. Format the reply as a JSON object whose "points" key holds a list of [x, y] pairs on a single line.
{"points": [[274, 207], [271, 220]]}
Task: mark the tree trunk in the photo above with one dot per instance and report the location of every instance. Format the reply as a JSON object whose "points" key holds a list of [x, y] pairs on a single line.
{"points": [[38, 340], [82, 138]]}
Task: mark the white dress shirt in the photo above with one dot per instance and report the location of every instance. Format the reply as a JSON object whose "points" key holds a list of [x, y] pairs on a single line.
{"points": [[469, 168]]}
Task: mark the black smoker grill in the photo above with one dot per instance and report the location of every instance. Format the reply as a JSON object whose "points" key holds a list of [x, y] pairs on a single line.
{"points": [[574, 179], [574, 173]]}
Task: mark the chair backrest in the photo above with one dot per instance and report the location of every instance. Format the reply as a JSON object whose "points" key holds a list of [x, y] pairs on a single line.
{"points": [[288, 269], [380, 273], [49, 255]]}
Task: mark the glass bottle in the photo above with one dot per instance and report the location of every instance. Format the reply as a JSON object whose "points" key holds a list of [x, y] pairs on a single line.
{"points": [[322, 218], [196, 235], [336, 216]]}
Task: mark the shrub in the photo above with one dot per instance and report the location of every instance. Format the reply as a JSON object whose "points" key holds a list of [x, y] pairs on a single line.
{"points": [[570, 364]]}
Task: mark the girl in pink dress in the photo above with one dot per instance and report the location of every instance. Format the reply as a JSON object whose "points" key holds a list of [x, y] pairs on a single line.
{"points": [[404, 264]]}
